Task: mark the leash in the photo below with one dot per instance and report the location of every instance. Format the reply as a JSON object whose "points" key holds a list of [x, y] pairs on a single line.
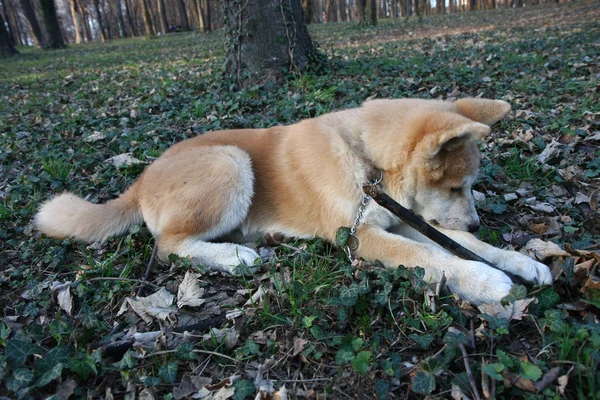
{"points": [[353, 242]]}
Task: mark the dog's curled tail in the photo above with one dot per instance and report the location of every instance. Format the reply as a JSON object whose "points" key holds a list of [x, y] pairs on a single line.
{"points": [[68, 215]]}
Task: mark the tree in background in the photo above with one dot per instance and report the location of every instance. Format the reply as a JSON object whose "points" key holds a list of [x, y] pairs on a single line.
{"points": [[34, 25], [372, 12], [162, 16], [55, 38], [266, 38], [150, 31], [6, 43]]}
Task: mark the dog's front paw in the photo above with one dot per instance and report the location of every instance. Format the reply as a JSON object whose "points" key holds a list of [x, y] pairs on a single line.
{"points": [[479, 283], [525, 267]]}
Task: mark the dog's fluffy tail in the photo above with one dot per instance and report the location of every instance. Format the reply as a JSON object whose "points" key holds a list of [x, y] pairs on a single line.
{"points": [[68, 215]]}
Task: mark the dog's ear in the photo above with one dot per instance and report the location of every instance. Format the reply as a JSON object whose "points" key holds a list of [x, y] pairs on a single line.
{"points": [[449, 131], [485, 111]]}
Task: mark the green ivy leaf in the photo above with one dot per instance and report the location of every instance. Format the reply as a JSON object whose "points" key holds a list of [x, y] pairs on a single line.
{"points": [[493, 370], [128, 361], [423, 382], [308, 321], [18, 349], [361, 362], [547, 298], [554, 320], [243, 389], [21, 378], [169, 372], [456, 337], [517, 292], [83, 366], [530, 371], [185, 352], [383, 389], [54, 373], [357, 343], [149, 381], [56, 355], [424, 341]]}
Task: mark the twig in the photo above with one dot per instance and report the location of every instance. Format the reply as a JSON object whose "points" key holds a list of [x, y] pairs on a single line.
{"points": [[469, 372], [148, 269], [409, 217], [114, 278], [547, 379]]}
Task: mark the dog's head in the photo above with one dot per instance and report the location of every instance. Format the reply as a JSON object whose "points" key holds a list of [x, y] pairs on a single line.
{"points": [[428, 151]]}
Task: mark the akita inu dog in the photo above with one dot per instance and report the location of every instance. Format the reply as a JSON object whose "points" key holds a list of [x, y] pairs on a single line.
{"points": [[305, 180]]}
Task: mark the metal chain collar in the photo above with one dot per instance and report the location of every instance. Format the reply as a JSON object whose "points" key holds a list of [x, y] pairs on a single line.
{"points": [[353, 242]]}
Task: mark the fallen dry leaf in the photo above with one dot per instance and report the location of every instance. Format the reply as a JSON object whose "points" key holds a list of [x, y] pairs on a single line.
{"points": [[157, 305], [189, 292], [512, 311], [63, 295], [543, 250], [122, 160]]}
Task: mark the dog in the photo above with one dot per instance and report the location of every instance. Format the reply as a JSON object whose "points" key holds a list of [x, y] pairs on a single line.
{"points": [[305, 180]]}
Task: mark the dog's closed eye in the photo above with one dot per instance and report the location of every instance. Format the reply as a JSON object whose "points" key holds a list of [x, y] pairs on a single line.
{"points": [[456, 189]]}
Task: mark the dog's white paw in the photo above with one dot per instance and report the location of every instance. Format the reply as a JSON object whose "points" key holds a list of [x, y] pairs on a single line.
{"points": [[478, 283], [526, 267], [231, 258]]}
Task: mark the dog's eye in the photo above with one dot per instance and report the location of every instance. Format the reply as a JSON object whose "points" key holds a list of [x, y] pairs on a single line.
{"points": [[456, 189]]}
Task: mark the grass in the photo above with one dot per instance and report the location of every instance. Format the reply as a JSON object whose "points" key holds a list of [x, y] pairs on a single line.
{"points": [[324, 325]]}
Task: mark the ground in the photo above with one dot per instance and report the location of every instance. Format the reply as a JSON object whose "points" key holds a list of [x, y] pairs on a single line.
{"points": [[72, 323]]}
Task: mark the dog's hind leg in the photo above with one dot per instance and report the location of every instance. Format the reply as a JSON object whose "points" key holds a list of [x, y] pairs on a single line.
{"points": [[196, 195]]}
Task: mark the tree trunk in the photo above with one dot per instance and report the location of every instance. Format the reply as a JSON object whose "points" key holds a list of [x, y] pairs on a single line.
{"points": [[6, 44], [76, 21], [132, 28], [101, 29], [266, 38], [55, 37], [309, 11], [34, 25], [183, 17], [122, 28], [361, 6], [201, 16], [207, 16], [372, 12], [342, 8], [150, 32], [162, 16], [12, 14]]}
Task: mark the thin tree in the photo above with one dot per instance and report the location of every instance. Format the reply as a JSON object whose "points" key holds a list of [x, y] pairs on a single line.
{"points": [[6, 43], [150, 31], [183, 16], [76, 21], [55, 37], [122, 29], [266, 38], [207, 16], [100, 21], [132, 28], [162, 16]]}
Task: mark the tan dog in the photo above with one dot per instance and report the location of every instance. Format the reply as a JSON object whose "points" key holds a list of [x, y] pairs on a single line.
{"points": [[305, 180]]}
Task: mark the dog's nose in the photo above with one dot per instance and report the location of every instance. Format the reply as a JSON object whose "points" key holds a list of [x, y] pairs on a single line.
{"points": [[473, 228]]}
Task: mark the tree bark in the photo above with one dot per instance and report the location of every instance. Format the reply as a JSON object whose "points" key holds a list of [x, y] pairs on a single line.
{"points": [[162, 16], [6, 44], [150, 32], [201, 16], [122, 28], [55, 37], [34, 25], [101, 29], [372, 12], [266, 38], [309, 11], [208, 26], [76, 21], [185, 22], [132, 27], [361, 6]]}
